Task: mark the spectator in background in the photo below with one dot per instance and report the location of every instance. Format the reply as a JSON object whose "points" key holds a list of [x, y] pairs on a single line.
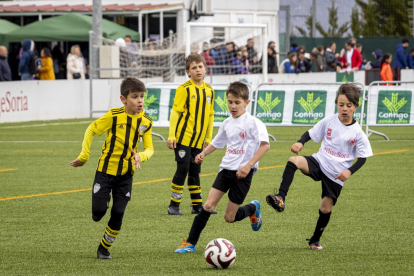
{"points": [[353, 41], [304, 64], [250, 49], [256, 66], [245, 58], [208, 58], [360, 49], [386, 72], [75, 64], [293, 48], [237, 66], [59, 62], [5, 72], [272, 45], [320, 60], [46, 72], [400, 59], [378, 56], [351, 60], [271, 61], [410, 59], [330, 58], [221, 59], [24, 64], [289, 65]]}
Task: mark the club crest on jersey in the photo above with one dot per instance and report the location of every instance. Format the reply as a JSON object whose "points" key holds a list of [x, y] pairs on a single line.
{"points": [[352, 142], [208, 99], [96, 188], [242, 134], [181, 153], [329, 134], [142, 128]]}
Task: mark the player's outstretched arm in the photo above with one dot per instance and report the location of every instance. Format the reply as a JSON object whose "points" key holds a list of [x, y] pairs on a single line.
{"points": [[86, 148], [76, 163], [172, 141], [200, 157], [244, 171]]}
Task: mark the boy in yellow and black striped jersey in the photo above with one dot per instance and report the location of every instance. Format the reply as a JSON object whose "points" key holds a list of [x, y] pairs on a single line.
{"points": [[123, 127], [191, 128]]}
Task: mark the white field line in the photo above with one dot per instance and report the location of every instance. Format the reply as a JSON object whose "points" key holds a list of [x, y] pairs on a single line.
{"points": [[51, 124]]}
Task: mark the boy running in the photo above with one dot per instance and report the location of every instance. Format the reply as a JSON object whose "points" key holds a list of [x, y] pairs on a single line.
{"points": [[123, 127], [191, 128], [342, 141], [247, 141]]}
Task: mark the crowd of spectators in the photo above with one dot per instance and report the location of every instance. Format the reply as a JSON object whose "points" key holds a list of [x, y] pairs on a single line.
{"points": [[50, 65], [221, 59]]}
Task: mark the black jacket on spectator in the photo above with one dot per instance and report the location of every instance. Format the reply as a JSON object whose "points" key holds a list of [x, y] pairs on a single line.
{"points": [[377, 62], [330, 61], [5, 72], [304, 65]]}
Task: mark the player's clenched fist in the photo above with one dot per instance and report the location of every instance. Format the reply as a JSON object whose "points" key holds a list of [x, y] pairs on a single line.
{"points": [[199, 158], [296, 147]]}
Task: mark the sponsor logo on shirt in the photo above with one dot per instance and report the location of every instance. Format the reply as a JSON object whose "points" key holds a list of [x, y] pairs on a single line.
{"points": [[208, 99], [336, 154], [142, 128], [235, 151], [329, 133], [242, 134], [352, 142]]}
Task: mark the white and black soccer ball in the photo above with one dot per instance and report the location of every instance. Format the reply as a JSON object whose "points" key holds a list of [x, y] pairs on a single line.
{"points": [[220, 253]]}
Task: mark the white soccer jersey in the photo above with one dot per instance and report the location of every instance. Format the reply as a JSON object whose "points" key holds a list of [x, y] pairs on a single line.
{"points": [[341, 144], [242, 136]]}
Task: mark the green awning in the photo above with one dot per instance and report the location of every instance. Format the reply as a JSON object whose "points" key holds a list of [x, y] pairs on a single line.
{"points": [[6, 27], [68, 27]]}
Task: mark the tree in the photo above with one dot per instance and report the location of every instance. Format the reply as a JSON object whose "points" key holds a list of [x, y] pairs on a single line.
{"points": [[308, 23], [333, 30], [356, 27], [385, 18]]}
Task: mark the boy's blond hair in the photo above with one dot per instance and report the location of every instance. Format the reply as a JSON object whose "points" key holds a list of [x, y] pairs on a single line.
{"points": [[194, 58], [238, 89], [130, 85]]}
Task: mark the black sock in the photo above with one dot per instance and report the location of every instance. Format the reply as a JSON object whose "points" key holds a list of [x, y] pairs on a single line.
{"points": [[199, 223], [320, 225], [245, 211], [287, 179]]}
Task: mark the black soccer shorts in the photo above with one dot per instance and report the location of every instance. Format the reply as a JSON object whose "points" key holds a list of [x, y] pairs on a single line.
{"points": [[121, 186], [227, 180], [329, 188], [186, 154]]}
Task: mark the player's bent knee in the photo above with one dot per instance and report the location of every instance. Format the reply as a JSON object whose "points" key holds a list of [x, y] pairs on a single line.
{"points": [[97, 216], [208, 207]]}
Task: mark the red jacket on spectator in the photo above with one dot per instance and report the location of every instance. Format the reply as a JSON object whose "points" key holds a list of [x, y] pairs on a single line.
{"points": [[209, 60], [356, 60]]}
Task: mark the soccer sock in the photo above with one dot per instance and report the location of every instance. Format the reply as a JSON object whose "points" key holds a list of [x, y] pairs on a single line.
{"points": [[287, 179], [109, 237], [320, 225], [177, 187], [195, 191], [199, 223], [245, 211]]}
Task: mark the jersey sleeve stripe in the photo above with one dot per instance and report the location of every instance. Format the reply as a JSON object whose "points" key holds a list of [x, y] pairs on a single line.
{"points": [[150, 125], [126, 146], [202, 116], [111, 146], [134, 142], [186, 118], [195, 119]]}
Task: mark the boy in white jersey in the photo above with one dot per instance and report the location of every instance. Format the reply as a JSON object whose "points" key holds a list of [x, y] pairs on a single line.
{"points": [[343, 140], [247, 141]]}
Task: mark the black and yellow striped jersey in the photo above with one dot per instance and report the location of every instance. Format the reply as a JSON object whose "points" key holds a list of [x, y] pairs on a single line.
{"points": [[196, 105], [123, 132]]}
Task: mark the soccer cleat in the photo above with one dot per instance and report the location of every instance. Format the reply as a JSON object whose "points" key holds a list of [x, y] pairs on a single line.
{"points": [[197, 209], [256, 219], [103, 253], [186, 248], [175, 211], [276, 202], [314, 245]]}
